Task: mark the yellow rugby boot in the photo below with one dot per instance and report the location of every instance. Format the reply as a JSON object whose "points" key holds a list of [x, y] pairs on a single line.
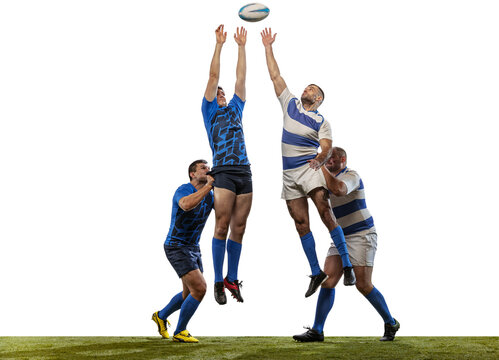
{"points": [[184, 337], [162, 325]]}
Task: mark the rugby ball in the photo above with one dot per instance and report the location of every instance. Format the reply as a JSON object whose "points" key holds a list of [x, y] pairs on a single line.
{"points": [[254, 12]]}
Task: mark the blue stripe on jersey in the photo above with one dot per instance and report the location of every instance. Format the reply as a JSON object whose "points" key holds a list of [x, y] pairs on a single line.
{"points": [[303, 119], [361, 185], [349, 208], [297, 140], [292, 162], [360, 226]]}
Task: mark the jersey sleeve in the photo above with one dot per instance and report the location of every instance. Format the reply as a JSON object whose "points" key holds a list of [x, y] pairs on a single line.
{"points": [[325, 131], [208, 109], [351, 180], [284, 98], [237, 104], [181, 192]]}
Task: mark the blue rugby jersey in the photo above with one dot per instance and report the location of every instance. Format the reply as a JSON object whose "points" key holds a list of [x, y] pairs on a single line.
{"points": [[351, 210], [186, 226], [301, 132], [225, 131]]}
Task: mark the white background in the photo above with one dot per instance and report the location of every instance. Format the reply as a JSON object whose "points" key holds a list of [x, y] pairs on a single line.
{"points": [[100, 116]]}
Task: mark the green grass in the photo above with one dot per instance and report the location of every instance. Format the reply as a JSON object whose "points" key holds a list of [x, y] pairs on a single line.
{"points": [[110, 348]]}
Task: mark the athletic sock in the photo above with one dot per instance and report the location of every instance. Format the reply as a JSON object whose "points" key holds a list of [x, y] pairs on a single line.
{"points": [[174, 304], [308, 243], [218, 251], [188, 309], [339, 241], [378, 301], [233, 255], [325, 303]]}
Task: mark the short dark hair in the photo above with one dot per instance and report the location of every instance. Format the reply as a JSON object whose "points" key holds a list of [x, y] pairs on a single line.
{"points": [[220, 88], [193, 165], [341, 152], [321, 93]]}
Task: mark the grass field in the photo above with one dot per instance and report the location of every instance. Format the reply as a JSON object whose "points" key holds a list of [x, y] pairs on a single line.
{"points": [[142, 348]]}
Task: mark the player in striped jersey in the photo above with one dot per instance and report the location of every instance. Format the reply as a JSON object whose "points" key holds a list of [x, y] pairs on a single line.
{"points": [[304, 130], [349, 206]]}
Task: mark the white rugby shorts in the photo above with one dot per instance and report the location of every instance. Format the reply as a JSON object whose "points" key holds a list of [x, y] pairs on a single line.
{"points": [[361, 247], [297, 183]]}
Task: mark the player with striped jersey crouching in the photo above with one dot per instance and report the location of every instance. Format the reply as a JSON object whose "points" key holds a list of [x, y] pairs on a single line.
{"points": [[349, 206], [304, 130]]}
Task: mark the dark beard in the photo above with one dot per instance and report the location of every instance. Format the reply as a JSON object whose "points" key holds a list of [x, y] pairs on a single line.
{"points": [[306, 101]]}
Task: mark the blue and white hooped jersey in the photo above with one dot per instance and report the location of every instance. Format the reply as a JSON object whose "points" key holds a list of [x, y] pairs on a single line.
{"points": [[225, 131], [186, 226], [351, 210], [301, 132]]}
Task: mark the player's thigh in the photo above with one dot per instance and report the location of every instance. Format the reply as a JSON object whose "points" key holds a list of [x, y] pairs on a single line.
{"points": [[298, 209], [241, 209], [224, 203], [333, 267], [320, 197]]}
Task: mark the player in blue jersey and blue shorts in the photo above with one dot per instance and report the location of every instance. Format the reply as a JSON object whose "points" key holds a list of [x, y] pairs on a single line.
{"points": [[233, 187], [304, 130], [192, 204], [349, 206]]}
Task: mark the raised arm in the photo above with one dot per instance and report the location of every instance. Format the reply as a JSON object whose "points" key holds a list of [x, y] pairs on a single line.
{"points": [[275, 74], [324, 155], [211, 88], [240, 37], [189, 202], [336, 186]]}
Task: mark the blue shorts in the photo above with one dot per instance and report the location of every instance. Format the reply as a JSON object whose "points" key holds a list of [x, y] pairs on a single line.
{"points": [[234, 178], [184, 258]]}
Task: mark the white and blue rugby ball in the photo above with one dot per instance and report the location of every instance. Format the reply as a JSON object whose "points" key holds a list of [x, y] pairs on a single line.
{"points": [[254, 12]]}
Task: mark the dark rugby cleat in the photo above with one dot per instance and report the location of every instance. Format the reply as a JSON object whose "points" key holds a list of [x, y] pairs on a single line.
{"points": [[315, 282], [310, 335], [349, 276], [390, 331], [234, 288], [220, 293]]}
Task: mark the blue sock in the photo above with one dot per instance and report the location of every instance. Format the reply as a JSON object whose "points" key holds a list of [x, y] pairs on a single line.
{"points": [[188, 309], [339, 241], [378, 301], [218, 251], [308, 243], [233, 255], [325, 303], [174, 304]]}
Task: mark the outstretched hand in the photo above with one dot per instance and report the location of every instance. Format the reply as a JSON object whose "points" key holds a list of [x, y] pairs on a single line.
{"points": [[240, 36], [267, 38], [221, 36]]}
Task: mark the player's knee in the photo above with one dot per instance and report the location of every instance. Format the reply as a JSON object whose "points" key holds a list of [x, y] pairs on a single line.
{"points": [[364, 286], [221, 231], [303, 228], [199, 291], [238, 229]]}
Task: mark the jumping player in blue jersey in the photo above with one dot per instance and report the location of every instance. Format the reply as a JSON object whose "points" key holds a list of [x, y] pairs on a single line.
{"points": [[231, 168], [192, 204], [349, 206], [304, 130]]}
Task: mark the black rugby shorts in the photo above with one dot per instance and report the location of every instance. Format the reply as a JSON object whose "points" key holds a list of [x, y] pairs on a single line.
{"points": [[234, 178]]}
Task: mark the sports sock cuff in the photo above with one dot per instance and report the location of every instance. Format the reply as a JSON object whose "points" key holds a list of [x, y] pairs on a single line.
{"points": [[337, 231], [307, 236], [218, 241], [233, 244]]}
